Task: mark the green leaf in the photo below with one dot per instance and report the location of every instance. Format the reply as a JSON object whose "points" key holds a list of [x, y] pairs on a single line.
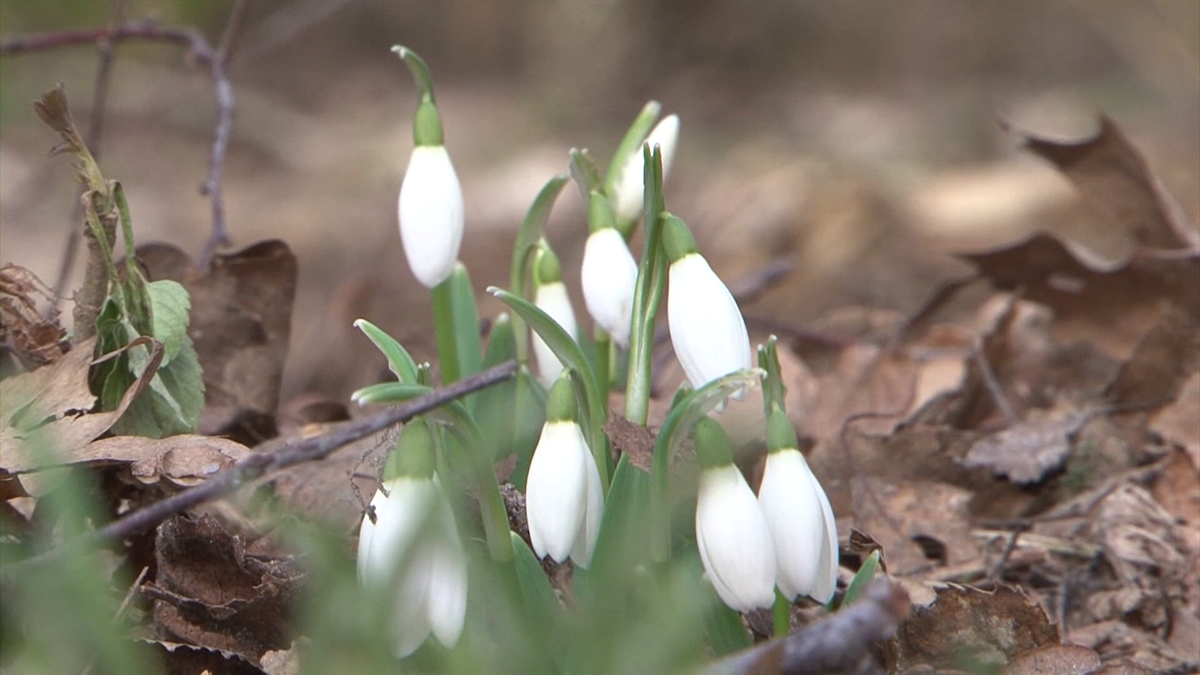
{"points": [[495, 407], [400, 362], [389, 392], [537, 595], [171, 404], [169, 307], [774, 391], [647, 296], [862, 579], [529, 416], [568, 351], [623, 532], [527, 239], [469, 344], [726, 634], [675, 429]]}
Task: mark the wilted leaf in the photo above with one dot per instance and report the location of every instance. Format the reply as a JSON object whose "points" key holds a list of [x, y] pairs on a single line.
{"points": [[920, 525], [22, 327], [184, 459], [1113, 178], [1029, 450], [46, 394], [1054, 660], [972, 628], [1164, 358]]}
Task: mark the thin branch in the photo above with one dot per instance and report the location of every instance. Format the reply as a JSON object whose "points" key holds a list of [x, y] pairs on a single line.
{"points": [[274, 456], [839, 643], [145, 30]]}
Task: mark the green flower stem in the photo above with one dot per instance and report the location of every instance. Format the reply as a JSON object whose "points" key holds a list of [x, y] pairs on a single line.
{"points": [[443, 327], [650, 281], [528, 236], [604, 359], [782, 615]]}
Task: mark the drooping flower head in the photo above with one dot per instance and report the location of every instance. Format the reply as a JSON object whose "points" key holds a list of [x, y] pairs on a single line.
{"points": [[431, 202], [731, 531], [630, 186], [412, 552], [563, 497], [707, 328], [609, 272], [799, 516], [550, 295]]}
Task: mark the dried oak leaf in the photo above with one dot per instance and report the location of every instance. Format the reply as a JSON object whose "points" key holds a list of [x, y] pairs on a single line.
{"points": [[966, 625], [210, 592], [241, 326], [184, 460]]}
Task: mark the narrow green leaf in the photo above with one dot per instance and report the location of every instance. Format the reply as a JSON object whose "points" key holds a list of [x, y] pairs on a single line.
{"points": [[527, 239], [647, 296], [495, 407], [572, 356], [528, 418], [584, 173], [862, 579], [469, 344], [169, 307], [400, 362], [774, 391], [622, 540], [389, 392], [726, 634], [537, 595]]}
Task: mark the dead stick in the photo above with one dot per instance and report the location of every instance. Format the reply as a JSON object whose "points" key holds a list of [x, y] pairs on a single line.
{"points": [[277, 455], [836, 644]]}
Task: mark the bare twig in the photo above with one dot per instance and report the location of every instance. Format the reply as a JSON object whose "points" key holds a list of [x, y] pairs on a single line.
{"points": [[202, 51], [838, 644], [993, 385], [277, 455]]}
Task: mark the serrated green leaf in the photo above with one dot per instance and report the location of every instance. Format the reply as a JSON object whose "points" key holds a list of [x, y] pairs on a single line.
{"points": [[862, 579], [169, 307], [400, 362]]}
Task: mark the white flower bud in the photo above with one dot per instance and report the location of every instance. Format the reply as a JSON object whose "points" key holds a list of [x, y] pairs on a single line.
{"points": [[733, 539], [707, 328], [609, 279], [802, 526], [552, 299], [431, 214], [563, 498], [627, 200]]}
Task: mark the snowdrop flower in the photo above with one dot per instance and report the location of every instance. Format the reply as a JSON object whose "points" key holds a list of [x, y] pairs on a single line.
{"points": [[630, 186], [550, 295], [563, 498], [707, 329], [431, 201], [412, 551], [799, 517], [609, 273], [731, 530]]}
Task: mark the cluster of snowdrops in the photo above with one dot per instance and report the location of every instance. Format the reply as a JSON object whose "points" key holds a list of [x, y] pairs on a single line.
{"points": [[757, 551]]}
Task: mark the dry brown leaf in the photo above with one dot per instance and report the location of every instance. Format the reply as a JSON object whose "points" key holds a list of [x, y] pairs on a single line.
{"points": [[1054, 660], [34, 337], [1180, 423], [1164, 358], [53, 393], [184, 460], [1114, 179], [1028, 451], [968, 625], [922, 526], [240, 324]]}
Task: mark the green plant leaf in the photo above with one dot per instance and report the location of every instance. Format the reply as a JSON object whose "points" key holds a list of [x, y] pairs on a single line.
{"points": [[774, 391], [726, 634], [647, 296], [528, 236], [630, 143], [537, 595], [569, 352], [623, 531], [389, 392], [468, 343], [171, 404], [529, 416], [169, 307], [862, 579], [495, 407], [400, 362]]}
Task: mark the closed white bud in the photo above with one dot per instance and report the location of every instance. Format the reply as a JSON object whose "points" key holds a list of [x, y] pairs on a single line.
{"points": [[707, 328], [627, 200], [431, 214], [802, 526], [733, 539], [609, 278], [563, 498], [552, 299]]}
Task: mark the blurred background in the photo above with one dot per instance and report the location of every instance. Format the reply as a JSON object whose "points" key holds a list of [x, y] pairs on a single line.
{"points": [[863, 141]]}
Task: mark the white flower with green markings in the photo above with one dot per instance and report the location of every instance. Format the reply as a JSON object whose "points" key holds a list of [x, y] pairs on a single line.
{"points": [[412, 552], [609, 273], [799, 517], [731, 530], [563, 497], [550, 296]]}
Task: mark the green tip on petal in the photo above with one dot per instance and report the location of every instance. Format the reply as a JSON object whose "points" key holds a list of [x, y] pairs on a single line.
{"points": [[677, 238], [546, 268], [560, 402], [712, 443], [781, 435], [600, 212], [414, 453]]}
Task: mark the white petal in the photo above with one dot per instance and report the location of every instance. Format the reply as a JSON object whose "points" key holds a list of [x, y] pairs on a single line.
{"points": [[827, 572], [367, 531], [734, 542], [553, 300], [431, 214], [790, 498], [609, 278], [447, 601], [630, 184], [556, 490], [585, 542], [707, 328]]}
